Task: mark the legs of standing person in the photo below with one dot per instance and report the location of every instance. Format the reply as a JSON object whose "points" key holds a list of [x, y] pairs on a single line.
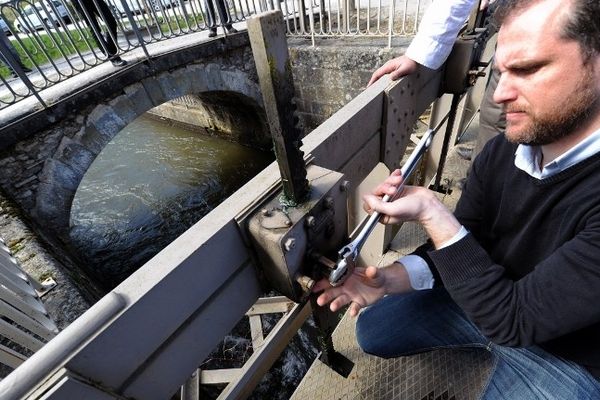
{"points": [[111, 39], [87, 9], [212, 18], [223, 17], [7, 43], [104, 13], [492, 119], [426, 320]]}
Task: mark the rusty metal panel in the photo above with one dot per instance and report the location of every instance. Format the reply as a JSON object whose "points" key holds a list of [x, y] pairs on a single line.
{"points": [[405, 101], [337, 141]]}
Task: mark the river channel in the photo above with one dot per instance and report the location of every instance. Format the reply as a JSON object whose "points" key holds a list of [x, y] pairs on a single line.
{"points": [[151, 183]]}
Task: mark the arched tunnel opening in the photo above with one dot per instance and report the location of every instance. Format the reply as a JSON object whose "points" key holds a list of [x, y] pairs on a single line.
{"points": [[161, 174]]}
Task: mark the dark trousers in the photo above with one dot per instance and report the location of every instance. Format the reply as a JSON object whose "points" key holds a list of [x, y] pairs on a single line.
{"points": [[88, 10], [492, 119], [13, 52], [212, 16]]}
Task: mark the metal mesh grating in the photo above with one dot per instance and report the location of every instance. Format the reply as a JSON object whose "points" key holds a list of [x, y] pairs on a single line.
{"points": [[436, 375]]}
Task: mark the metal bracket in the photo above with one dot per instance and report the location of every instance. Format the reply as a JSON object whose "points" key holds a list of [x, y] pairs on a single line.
{"points": [[285, 236]]}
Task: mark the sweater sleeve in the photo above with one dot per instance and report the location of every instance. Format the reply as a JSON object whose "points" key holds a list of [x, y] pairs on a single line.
{"points": [[558, 297]]}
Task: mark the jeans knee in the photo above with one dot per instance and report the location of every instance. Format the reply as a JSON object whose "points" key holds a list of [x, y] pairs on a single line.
{"points": [[368, 336]]}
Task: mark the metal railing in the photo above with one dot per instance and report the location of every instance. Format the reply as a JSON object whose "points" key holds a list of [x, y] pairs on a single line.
{"points": [[47, 42], [25, 325]]}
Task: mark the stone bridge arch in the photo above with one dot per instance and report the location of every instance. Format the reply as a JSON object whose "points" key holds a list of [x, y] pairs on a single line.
{"points": [[63, 170]]}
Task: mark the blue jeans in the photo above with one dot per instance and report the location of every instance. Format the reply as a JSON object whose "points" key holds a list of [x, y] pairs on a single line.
{"points": [[402, 325]]}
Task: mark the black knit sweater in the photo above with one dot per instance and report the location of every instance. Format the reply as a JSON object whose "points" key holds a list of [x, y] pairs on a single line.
{"points": [[529, 271]]}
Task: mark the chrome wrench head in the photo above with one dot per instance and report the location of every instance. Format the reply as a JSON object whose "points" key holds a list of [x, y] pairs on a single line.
{"points": [[344, 266]]}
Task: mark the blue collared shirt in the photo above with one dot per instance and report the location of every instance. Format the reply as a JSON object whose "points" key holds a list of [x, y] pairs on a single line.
{"points": [[527, 158]]}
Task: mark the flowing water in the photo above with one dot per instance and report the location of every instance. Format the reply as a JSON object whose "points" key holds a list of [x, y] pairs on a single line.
{"points": [[149, 184]]}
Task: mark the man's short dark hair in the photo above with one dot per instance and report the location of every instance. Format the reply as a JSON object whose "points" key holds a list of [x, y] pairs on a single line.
{"points": [[582, 25]]}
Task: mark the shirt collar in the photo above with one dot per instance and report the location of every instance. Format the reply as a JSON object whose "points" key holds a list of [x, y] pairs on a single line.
{"points": [[527, 158]]}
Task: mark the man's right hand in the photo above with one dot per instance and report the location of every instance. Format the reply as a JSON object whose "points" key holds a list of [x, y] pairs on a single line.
{"points": [[364, 287], [397, 68]]}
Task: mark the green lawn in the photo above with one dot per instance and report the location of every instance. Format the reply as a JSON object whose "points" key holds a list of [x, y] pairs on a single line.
{"points": [[55, 47], [59, 44]]}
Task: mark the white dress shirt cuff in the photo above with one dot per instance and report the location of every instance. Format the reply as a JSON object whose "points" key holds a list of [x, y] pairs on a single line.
{"points": [[419, 274], [459, 235]]}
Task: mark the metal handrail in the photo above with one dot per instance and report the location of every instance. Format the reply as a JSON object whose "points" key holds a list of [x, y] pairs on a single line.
{"points": [[56, 43]]}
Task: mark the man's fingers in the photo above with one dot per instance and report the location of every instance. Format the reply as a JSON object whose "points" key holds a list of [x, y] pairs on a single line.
{"points": [[329, 295], [354, 309], [371, 272], [339, 302], [374, 78], [321, 285]]}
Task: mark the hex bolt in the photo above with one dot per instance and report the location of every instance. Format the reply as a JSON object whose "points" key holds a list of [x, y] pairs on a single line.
{"points": [[328, 202], [265, 212], [305, 282], [310, 221], [289, 244], [344, 186], [288, 222]]}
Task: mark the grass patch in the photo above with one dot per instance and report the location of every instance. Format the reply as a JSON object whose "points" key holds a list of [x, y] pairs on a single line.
{"points": [[55, 46]]}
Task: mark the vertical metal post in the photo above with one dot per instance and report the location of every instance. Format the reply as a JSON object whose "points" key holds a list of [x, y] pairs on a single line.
{"points": [[302, 15], [267, 39], [444, 152]]}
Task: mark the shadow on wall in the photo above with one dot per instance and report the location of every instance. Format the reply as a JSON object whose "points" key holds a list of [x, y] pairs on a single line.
{"points": [[236, 117]]}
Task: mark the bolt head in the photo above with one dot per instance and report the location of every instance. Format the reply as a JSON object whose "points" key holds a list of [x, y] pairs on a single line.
{"points": [[289, 244], [311, 221], [329, 202]]}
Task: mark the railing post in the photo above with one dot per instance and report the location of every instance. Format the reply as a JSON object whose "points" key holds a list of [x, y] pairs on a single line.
{"points": [[269, 46]]}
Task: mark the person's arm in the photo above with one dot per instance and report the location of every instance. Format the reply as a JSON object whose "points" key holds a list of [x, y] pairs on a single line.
{"points": [[559, 296], [433, 42], [364, 287]]}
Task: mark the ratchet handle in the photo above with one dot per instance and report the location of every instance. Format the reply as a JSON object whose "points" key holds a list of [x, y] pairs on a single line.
{"points": [[406, 171]]}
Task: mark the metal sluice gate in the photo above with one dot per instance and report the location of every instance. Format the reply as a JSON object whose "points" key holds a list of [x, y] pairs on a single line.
{"points": [[147, 337]]}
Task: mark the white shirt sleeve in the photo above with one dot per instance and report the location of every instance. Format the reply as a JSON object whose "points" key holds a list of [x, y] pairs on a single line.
{"points": [[438, 30], [419, 274], [418, 271]]}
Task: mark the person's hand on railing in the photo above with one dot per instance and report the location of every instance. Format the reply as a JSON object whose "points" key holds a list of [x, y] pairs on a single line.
{"points": [[397, 68]]}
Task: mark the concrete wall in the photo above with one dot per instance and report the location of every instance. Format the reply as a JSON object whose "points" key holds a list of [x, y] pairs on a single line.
{"points": [[230, 115], [329, 75]]}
